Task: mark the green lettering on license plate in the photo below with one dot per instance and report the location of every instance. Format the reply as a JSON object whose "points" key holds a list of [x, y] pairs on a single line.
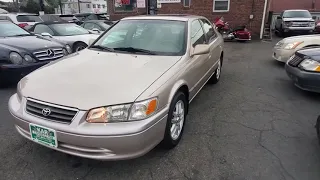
{"points": [[43, 135]]}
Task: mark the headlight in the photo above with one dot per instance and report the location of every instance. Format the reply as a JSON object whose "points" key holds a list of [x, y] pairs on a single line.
{"points": [[123, 113], [292, 45], [310, 65], [15, 58], [68, 49], [287, 24], [29, 59], [311, 24]]}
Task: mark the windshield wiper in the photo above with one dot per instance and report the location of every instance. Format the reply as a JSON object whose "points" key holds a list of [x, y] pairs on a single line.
{"points": [[102, 48], [134, 50]]}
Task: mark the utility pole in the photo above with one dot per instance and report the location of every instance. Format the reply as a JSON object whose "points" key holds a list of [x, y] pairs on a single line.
{"points": [[60, 4], [41, 7], [79, 5]]}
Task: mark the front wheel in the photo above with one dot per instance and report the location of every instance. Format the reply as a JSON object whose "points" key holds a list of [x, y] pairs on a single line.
{"points": [[79, 46], [176, 120]]}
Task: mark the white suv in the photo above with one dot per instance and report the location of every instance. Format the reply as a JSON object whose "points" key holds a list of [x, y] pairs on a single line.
{"points": [[21, 19]]}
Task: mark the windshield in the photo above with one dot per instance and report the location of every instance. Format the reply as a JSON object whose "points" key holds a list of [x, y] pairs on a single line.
{"points": [[10, 29], [160, 37], [28, 18], [103, 24], [297, 14], [67, 29]]}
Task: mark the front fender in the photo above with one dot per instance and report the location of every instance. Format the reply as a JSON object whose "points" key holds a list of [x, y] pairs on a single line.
{"points": [[175, 88]]}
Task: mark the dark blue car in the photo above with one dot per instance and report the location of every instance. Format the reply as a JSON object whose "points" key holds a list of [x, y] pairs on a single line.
{"points": [[22, 52]]}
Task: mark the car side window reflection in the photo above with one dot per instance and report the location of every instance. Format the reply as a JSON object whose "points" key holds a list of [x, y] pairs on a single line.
{"points": [[209, 31], [41, 28], [197, 34]]}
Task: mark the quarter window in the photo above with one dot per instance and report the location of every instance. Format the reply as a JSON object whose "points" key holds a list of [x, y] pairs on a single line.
{"points": [[197, 34], [208, 30], [221, 5]]}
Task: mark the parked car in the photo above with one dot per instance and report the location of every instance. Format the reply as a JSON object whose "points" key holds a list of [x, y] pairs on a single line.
{"points": [[92, 16], [297, 21], [70, 18], [21, 19], [97, 25], [76, 36], [285, 48], [304, 69], [119, 99], [22, 52]]}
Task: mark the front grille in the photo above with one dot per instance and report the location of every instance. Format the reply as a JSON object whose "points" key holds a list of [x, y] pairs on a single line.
{"points": [[49, 54], [57, 113], [300, 24], [295, 61]]}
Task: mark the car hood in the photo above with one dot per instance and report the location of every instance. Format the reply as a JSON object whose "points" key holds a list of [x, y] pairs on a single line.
{"points": [[84, 38], [302, 38], [298, 19], [92, 78], [313, 53], [29, 42]]}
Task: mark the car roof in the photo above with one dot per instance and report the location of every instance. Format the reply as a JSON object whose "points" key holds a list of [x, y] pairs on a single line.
{"points": [[296, 10], [101, 20], [52, 22], [174, 17], [23, 14]]}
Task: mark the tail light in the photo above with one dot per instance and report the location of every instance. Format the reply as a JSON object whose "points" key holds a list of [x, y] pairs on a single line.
{"points": [[22, 25]]}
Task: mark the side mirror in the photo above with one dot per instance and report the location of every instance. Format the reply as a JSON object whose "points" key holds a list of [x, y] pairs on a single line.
{"points": [[91, 42], [201, 49], [46, 34], [314, 17], [96, 30], [279, 17]]}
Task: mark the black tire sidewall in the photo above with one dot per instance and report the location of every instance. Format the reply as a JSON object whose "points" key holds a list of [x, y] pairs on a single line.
{"points": [[168, 142], [75, 47]]}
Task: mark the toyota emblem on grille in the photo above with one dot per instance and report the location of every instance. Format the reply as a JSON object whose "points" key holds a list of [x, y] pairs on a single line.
{"points": [[50, 52], [46, 111]]}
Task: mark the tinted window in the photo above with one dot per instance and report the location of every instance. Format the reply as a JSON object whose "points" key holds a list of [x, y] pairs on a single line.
{"points": [[90, 26], [41, 28], [68, 18], [10, 29], [197, 34], [162, 37], [28, 18], [68, 29], [208, 30], [297, 14]]}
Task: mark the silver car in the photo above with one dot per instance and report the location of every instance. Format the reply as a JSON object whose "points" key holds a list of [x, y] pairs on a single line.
{"points": [[127, 92]]}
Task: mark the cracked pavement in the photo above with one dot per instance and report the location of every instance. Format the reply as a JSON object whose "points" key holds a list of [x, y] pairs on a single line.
{"points": [[253, 125]]}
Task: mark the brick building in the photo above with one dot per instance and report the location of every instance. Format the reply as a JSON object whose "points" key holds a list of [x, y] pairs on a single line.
{"points": [[236, 12]]}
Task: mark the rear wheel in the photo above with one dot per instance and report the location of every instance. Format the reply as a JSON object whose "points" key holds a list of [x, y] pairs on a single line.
{"points": [[176, 120], [216, 76]]}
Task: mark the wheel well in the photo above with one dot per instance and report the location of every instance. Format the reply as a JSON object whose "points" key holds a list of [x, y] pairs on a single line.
{"points": [[185, 90], [312, 45], [77, 42]]}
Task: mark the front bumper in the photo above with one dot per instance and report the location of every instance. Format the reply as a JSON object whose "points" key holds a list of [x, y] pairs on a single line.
{"points": [[282, 55], [308, 81], [299, 29], [96, 141], [13, 73]]}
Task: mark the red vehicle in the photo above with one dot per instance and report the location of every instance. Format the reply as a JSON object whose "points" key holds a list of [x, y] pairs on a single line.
{"points": [[239, 33]]}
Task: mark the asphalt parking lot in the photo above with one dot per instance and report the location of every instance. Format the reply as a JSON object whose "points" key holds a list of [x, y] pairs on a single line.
{"points": [[253, 125]]}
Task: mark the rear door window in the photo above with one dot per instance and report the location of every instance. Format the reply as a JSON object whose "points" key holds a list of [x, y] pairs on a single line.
{"points": [[28, 18]]}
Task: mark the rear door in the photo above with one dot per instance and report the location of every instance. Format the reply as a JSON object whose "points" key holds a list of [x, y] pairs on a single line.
{"points": [[212, 41]]}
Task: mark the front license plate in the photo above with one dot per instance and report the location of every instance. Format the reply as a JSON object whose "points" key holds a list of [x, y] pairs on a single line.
{"points": [[43, 135]]}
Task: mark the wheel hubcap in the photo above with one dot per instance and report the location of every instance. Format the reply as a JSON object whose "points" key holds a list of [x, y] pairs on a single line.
{"points": [[218, 70], [177, 120]]}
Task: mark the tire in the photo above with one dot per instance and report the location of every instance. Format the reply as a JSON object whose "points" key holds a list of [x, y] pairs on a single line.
{"points": [[79, 46], [318, 129], [178, 106], [217, 74]]}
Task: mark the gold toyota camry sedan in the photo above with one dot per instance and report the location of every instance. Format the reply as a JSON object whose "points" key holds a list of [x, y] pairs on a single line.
{"points": [[127, 92]]}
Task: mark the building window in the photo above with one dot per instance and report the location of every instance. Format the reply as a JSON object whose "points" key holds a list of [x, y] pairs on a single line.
{"points": [[124, 5], [103, 6], [88, 5], [93, 5], [99, 6], [69, 5], [221, 5], [186, 3]]}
